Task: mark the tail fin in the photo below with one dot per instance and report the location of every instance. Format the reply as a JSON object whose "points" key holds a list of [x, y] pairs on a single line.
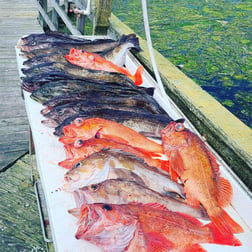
{"points": [[131, 38], [222, 238], [225, 223], [138, 76]]}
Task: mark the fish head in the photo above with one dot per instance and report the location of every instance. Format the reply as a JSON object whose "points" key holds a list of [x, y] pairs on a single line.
{"points": [[80, 174], [105, 225], [42, 94], [80, 128], [174, 135]]}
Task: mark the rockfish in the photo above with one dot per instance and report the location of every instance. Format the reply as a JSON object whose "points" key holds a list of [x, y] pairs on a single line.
{"points": [[124, 191], [82, 149], [105, 163], [96, 62], [102, 128], [197, 168], [145, 228]]}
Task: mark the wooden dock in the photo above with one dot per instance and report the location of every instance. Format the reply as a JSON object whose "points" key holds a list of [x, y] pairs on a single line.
{"points": [[17, 18]]}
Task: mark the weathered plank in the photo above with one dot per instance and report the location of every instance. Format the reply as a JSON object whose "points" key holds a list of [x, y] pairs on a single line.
{"points": [[17, 18]]}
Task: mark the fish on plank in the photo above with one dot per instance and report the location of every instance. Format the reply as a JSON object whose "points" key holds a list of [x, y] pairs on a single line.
{"points": [[124, 191], [102, 128], [82, 149], [103, 165], [32, 83], [146, 124], [96, 45], [80, 72], [145, 101], [94, 61], [116, 54], [191, 161], [59, 88], [144, 227]]}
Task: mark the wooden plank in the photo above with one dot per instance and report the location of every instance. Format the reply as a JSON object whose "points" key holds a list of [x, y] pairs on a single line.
{"points": [[17, 18]]}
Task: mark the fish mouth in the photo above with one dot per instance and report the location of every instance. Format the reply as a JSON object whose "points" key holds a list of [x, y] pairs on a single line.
{"points": [[35, 98], [50, 123], [69, 135], [46, 110], [80, 198], [26, 87]]}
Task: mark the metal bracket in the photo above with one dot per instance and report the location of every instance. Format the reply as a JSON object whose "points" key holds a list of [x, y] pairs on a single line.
{"points": [[41, 215]]}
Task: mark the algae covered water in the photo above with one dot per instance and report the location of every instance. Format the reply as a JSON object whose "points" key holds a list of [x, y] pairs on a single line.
{"points": [[210, 40]]}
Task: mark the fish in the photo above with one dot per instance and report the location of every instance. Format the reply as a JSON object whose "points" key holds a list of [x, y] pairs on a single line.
{"points": [[102, 128], [43, 58], [60, 113], [114, 54], [147, 124], [193, 163], [96, 62], [145, 228], [49, 37], [36, 81], [105, 163], [50, 90], [82, 149], [146, 102], [124, 191], [117, 55], [96, 45], [78, 72]]}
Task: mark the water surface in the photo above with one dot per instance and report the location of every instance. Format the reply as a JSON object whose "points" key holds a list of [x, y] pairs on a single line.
{"points": [[210, 39]]}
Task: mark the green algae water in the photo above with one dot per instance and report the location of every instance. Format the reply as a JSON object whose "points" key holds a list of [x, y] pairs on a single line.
{"points": [[210, 40]]}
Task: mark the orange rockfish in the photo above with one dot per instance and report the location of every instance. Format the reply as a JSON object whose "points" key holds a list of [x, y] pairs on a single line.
{"points": [[144, 228], [82, 149], [197, 168], [102, 128], [96, 62]]}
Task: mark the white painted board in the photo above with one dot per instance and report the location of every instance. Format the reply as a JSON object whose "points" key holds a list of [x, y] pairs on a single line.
{"points": [[49, 151]]}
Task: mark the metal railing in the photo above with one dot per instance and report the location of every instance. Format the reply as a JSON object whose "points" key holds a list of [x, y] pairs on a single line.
{"points": [[52, 11]]}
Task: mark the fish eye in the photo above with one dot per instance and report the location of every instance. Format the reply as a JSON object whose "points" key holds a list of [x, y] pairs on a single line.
{"points": [[78, 143], [179, 127], [107, 207], [78, 122], [77, 165], [93, 187]]}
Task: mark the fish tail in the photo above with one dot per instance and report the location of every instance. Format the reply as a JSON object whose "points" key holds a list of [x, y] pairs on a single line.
{"points": [[222, 238], [131, 38], [138, 76], [225, 223]]}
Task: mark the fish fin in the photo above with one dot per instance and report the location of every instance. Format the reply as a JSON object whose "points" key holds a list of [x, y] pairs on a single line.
{"points": [[157, 243], [68, 164], [75, 212], [114, 138], [190, 199], [222, 238], [66, 139], [176, 162], [225, 192], [138, 76], [225, 223], [194, 248]]}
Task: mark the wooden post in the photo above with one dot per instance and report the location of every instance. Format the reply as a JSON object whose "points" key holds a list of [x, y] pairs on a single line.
{"points": [[81, 23], [43, 4], [101, 16], [55, 17]]}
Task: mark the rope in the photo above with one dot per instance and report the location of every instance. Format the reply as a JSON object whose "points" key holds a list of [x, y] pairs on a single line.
{"points": [[149, 43]]}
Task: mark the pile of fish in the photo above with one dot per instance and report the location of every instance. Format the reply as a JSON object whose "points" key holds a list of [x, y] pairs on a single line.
{"points": [[141, 181]]}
